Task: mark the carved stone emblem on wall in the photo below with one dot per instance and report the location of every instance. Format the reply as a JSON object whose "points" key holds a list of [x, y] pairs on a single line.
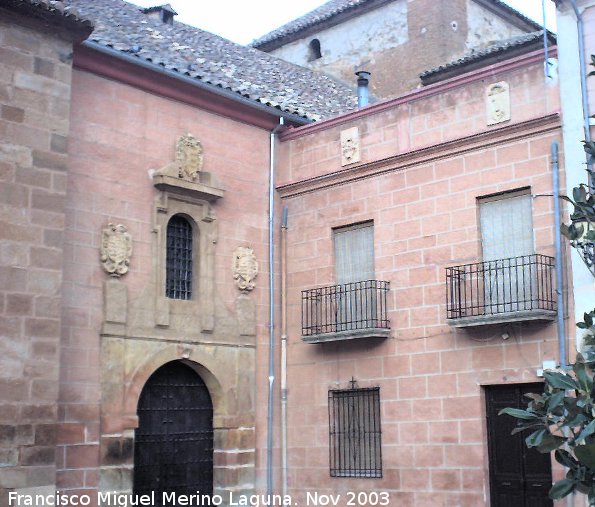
{"points": [[116, 249], [350, 149], [245, 268], [185, 175], [497, 103], [189, 159]]}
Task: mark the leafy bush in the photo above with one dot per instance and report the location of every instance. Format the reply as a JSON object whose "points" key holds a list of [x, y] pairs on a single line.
{"points": [[562, 418]]}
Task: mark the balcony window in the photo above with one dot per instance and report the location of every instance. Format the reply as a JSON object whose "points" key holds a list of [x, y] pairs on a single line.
{"points": [[341, 312], [503, 290]]}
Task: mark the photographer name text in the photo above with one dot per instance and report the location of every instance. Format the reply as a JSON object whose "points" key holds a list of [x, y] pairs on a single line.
{"points": [[172, 499]]}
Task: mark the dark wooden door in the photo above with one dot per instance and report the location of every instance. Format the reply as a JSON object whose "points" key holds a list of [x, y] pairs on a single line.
{"points": [[173, 447], [519, 477]]}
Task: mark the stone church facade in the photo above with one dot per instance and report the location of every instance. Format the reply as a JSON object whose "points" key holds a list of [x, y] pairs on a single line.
{"points": [[139, 347]]}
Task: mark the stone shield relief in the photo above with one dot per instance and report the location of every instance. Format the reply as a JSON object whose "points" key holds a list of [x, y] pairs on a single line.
{"points": [[245, 268], [116, 249]]}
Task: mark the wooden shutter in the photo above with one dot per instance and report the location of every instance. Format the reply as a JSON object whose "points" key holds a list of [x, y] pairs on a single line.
{"points": [[506, 227], [354, 253]]}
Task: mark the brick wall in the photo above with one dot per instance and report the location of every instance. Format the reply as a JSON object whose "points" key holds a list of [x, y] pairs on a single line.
{"points": [[35, 77], [424, 163]]}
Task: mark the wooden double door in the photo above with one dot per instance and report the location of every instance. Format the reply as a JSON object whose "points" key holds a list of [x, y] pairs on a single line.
{"points": [[519, 477], [173, 449]]}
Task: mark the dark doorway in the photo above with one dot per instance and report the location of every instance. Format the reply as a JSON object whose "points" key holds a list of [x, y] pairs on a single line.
{"points": [[519, 477], [173, 446]]}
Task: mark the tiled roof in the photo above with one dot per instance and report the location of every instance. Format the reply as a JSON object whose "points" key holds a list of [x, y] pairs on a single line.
{"points": [[320, 14], [216, 61], [511, 11], [334, 8], [495, 51], [50, 11]]}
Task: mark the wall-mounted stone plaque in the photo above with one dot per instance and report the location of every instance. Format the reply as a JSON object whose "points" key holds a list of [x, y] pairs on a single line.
{"points": [[497, 103], [115, 249], [350, 149], [245, 268]]}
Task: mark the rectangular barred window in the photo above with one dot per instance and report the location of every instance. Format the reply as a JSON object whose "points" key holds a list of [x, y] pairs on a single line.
{"points": [[178, 276], [354, 432]]}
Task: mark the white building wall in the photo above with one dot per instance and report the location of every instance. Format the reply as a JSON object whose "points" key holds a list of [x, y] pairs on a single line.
{"points": [[354, 40], [573, 122], [484, 28]]}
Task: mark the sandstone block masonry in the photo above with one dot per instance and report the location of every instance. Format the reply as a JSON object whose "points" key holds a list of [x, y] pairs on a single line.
{"points": [[35, 73]]}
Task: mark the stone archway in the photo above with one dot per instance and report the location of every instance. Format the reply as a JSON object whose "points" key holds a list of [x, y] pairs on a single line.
{"points": [[129, 364]]}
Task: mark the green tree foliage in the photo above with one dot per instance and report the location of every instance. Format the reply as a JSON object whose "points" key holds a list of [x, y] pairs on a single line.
{"points": [[562, 418]]}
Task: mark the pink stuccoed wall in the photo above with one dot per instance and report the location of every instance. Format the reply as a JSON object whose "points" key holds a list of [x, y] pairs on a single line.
{"points": [[118, 135], [425, 159]]}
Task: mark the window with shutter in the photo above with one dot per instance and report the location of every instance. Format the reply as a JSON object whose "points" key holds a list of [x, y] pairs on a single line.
{"points": [[354, 253], [510, 278]]}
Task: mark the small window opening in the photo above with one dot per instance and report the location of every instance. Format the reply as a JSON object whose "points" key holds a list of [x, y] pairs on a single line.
{"points": [[178, 284], [314, 53], [354, 432]]}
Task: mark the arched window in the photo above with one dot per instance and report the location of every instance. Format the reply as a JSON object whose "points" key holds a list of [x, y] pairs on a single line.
{"points": [[314, 53], [178, 281]]}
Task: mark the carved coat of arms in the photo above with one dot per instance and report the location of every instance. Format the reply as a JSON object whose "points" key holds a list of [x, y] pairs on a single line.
{"points": [[245, 268], [188, 162], [189, 157], [116, 249]]}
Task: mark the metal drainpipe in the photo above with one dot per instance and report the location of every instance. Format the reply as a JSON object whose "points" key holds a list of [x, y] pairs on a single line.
{"points": [[271, 378], [563, 355], [546, 63], [284, 468], [584, 94], [559, 278]]}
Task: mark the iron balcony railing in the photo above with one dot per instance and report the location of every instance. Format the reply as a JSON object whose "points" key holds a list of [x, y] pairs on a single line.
{"points": [[514, 285], [347, 307]]}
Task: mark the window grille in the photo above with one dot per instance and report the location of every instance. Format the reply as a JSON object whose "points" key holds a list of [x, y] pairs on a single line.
{"points": [[178, 284], [354, 433]]}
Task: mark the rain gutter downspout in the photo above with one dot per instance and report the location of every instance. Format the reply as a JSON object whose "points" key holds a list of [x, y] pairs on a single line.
{"points": [[584, 95], [563, 354], [284, 469], [546, 63], [222, 92], [271, 378]]}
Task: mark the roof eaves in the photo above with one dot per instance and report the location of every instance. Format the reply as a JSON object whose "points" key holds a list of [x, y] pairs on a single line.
{"points": [[497, 52], [196, 80], [309, 23], [53, 14]]}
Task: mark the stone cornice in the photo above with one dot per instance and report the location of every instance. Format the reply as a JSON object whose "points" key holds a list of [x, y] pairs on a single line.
{"points": [[422, 155]]}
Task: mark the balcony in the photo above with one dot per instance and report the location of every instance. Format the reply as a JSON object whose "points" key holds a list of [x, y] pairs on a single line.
{"points": [[345, 312], [505, 290]]}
